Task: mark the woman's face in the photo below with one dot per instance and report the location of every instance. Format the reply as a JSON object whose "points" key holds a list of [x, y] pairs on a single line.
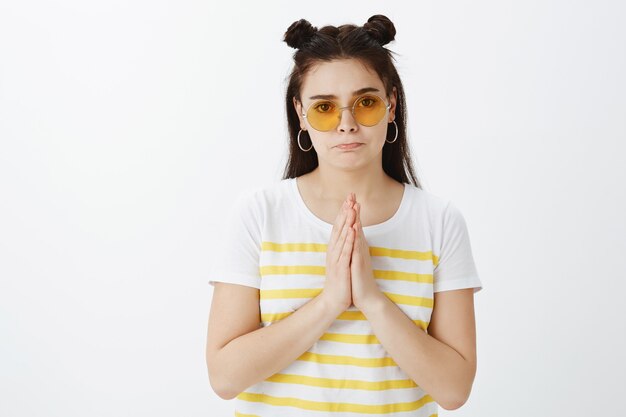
{"points": [[342, 78]]}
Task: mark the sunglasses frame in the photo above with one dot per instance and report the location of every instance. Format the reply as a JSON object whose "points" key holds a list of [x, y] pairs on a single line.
{"points": [[341, 109]]}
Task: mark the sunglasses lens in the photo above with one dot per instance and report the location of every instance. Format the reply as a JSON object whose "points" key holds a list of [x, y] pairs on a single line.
{"points": [[369, 110], [325, 115]]}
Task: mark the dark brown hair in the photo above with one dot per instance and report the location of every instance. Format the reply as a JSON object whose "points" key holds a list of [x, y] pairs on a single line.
{"points": [[365, 43]]}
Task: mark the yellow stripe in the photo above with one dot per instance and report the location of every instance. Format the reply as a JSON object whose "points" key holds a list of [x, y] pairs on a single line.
{"points": [[290, 293], [292, 270], [361, 339], [347, 360], [403, 276], [321, 270], [410, 300], [342, 383], [352, 315], [323, 247], [268, 318], [336, 407], [399, 253], [314, 292], [238, 414], [293, 247]]}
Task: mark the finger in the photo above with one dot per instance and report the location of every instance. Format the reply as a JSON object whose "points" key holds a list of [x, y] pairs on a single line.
{"points": [[338, 248], [359, 229], [340, 220], [351, 217], [355, 247], [362, 240], [348, 247]]}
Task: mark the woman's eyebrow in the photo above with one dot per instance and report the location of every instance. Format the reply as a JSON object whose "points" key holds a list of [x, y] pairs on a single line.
{"points": [[356, 93]]}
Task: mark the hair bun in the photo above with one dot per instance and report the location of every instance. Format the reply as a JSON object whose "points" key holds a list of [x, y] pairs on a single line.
{"points": [[380, 28], [299, 33]]}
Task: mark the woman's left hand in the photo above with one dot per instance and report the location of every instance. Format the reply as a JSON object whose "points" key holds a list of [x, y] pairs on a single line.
{"points": [[365, 289]]}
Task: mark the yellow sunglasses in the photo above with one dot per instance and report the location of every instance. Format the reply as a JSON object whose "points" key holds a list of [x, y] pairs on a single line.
{"points": [[367, 109]]}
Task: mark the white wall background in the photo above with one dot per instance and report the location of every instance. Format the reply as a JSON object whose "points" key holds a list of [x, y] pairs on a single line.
{"points": [[128, 127]]}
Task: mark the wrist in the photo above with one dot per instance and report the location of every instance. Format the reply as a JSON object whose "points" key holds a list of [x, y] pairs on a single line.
{"points": [[373, 305], [330, 307]]}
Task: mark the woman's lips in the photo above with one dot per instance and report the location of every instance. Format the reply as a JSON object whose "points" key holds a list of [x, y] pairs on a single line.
{"points": [[349, 146]]}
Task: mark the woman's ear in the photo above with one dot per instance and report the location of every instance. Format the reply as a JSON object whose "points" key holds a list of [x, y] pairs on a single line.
{"points": [[392, 99], [298, 106]]}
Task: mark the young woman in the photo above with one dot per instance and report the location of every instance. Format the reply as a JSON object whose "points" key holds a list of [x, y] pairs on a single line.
{"points": [[344, 287]]}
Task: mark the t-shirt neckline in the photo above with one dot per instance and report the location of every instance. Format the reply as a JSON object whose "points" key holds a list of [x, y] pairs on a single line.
{"points": [[380, 227]]}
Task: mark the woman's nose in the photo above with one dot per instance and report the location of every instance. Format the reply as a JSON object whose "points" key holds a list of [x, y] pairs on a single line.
{"points": [[346, 121]]}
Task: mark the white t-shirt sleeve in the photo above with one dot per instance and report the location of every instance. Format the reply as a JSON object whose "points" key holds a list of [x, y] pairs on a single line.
{"points": [[455, 268], [236, 260]]}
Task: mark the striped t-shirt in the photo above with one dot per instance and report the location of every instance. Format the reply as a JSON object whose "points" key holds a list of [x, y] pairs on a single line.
{"points": [[275, 243]]}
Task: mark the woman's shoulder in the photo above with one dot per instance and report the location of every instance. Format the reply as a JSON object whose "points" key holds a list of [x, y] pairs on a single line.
{"points": [[430, 200], [267, 195], [439, 209]]}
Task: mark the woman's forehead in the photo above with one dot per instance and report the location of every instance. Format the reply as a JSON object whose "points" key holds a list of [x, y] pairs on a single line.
{"points": [[353, 94], [337, 79]]}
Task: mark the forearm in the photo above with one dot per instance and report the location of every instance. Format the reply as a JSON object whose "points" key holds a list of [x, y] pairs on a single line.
{"points": [[257, 355], [434, 366]]}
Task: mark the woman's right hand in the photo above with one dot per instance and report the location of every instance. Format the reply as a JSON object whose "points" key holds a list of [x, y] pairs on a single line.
{"points": [[338, 287]]}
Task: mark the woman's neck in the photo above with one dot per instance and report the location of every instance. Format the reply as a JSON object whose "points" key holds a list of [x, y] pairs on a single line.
{"points": [[335, 185]]}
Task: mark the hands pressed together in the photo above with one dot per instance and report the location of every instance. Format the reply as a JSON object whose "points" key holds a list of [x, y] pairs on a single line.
{"points": [[349, 275]]}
